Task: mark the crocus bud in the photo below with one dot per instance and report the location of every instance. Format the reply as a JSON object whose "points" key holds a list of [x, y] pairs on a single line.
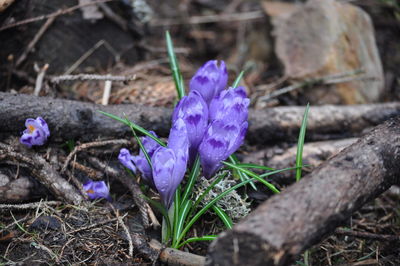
{"points": [[209, 80], [36, 132], [193, 110], [140, 160], [97, 190], [126, 159], [230, 106], [169, 164], [220, 141]]}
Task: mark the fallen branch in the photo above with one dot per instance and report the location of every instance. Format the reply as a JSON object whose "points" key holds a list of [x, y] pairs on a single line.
{"points": [[289, 223], [71, 119], [44, 173]]}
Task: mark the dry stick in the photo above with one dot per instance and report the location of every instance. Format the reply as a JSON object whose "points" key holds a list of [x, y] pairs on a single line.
{"points": [[94, 225], [27, 206], [89, 145], [52, 15], [325, 80], [32, 44], [39, 80], [134, 188], [72, 119], [210, 19], [45, 174], [122, 224], [82, 77], [288, 223], [365, 235]]}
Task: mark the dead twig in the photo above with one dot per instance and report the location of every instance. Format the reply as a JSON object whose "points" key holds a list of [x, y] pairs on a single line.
{"points": [[44, 172], [82, 77], [134, 188], [251, 15], [89, 145], [39, 79], [52, 15], [27, 206], [122, 224], [325, 80], [32, 44], [366, 235]]}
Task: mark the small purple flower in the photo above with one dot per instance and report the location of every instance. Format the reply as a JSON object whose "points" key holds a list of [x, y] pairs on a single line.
{"points": [[36, 133], [97, 190], [230, 106], [220, 141], [126, 159], [169, 163], [194, 112], [209, 80]]}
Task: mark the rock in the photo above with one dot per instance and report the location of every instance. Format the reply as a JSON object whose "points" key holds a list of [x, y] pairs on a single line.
{"points": [[324, 37]]}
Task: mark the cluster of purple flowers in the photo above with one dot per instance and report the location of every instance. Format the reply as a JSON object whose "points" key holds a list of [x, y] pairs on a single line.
{"points": [[209, 121]]}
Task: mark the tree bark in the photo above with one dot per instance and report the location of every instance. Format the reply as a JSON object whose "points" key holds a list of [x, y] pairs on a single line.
{"points": [[289, 223], [71, 119]]}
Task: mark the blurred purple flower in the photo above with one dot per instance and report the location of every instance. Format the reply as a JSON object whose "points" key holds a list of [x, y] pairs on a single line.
{"points": [[194, 112], [126, 159], [230, 106], [169, 163], [209, 80], [220, 141], [97, 190], [36, 133]]}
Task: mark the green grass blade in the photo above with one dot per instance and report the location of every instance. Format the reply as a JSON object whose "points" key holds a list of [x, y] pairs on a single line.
{"points": [[180, 220], [300, 144], [253, 175], [209, 205], [194, 173], [223, 216], [255, 166], [195, 239], [238, 79], [133, 125], [139, 141], [173, 62], [176, 213], [242, 176]]}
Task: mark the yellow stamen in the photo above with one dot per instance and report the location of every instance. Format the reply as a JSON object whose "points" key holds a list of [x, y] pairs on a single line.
{"points": [[31, 128], [90, 191]]}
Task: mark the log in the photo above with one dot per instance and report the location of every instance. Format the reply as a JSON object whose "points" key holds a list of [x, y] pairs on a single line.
{"points": [[77, 120], [314, 154], [287, 224]]}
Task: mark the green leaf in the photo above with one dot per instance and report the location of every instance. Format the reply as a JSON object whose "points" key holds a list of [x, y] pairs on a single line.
{"points": [[223, 216], [253, 175], [300, 144], [183, 211], [173, 62], [139, 141], [255, 166], [192, 179], [195, 239], [136, 127], [237, 80]]}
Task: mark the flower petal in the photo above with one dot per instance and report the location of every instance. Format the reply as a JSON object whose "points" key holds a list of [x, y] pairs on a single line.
{"points": [[126, 159], [163, 167]]}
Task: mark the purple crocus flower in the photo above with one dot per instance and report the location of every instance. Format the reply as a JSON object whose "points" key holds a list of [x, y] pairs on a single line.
{"points": [[220, 141], [126, 159], [209, 80], [97, 190], [36, 132], [230, 105], [194, 112], [169, 163]]}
